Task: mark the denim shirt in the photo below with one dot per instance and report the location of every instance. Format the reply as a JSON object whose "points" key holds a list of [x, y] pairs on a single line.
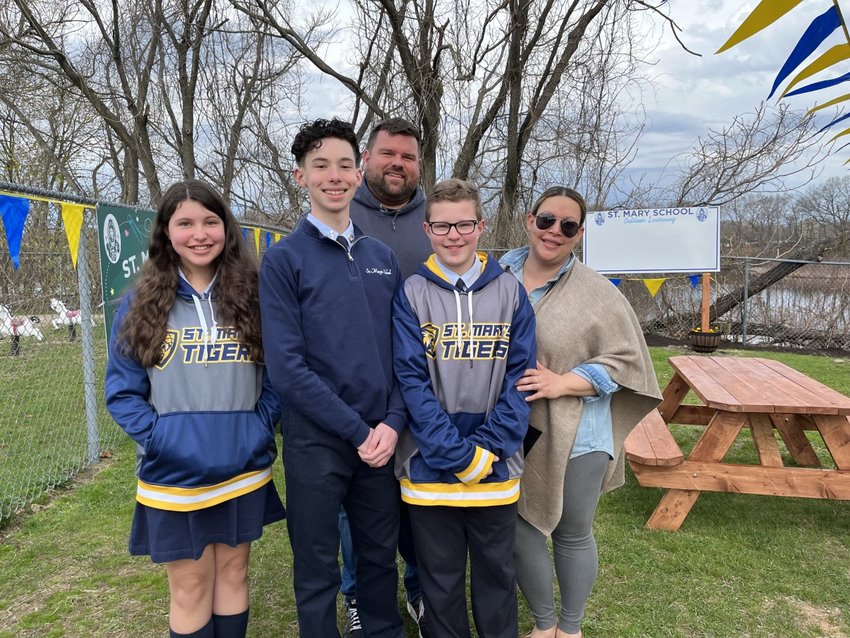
{"points": [[594, 432]]}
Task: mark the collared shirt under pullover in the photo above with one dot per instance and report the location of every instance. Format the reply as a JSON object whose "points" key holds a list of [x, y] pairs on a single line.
{"points": [[327, 330]]}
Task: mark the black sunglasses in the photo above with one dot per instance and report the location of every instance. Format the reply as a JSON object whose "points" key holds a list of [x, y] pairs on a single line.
{"points": [[544, 221]]}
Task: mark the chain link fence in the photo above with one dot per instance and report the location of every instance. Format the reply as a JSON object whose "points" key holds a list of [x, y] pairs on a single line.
{"points": [[808, 310], [53, 421]]}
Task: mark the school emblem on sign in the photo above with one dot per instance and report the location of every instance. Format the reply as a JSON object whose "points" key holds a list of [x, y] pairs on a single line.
{"points": [[599, 218], [430, 337], [112, 239], [168, 348]]}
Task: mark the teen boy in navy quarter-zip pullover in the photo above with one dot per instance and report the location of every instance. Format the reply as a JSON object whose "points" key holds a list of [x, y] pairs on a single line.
{"points": [[326, 301]]}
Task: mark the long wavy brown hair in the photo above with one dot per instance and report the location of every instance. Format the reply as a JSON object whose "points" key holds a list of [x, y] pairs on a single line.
{"points": [[235, 290]]}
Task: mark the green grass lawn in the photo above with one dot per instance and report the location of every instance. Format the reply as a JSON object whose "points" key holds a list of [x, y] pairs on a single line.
{"points": [[43, 439], [740, 566]]}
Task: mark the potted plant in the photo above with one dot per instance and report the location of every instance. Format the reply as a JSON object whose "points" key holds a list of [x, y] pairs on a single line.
{"points": [[705, 340]]}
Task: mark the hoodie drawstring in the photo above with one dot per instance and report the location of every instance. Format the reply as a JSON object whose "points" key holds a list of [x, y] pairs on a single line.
{"points": [[210, 335]]}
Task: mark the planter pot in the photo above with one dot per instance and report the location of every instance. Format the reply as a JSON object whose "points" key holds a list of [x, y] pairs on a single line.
{"points": [[704, 341]]}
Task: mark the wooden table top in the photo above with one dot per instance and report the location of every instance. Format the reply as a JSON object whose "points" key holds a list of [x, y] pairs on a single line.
{"points": [[751, 384]]}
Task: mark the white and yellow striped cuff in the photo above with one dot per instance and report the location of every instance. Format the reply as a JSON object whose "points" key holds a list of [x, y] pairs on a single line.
{"points": [[478, 469]]}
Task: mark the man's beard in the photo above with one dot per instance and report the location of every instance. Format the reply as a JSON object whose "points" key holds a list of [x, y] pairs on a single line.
{"points": [[390, 196]]}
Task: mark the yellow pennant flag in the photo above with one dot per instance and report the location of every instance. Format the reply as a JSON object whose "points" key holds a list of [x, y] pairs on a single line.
{"points": [[72, 217], [766, 13], [654, 285], [837, 100], [842, 133], [836, 54], [277, 236], [257, 239]]}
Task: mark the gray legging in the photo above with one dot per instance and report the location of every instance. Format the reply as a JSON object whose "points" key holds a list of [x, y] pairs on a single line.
{"points": [[576, 559]]}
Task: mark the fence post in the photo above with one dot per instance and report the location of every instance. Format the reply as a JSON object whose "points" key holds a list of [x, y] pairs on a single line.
{"points": [[89, 382], [744, 304]]}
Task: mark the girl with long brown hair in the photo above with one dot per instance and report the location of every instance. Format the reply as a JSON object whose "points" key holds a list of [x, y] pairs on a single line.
{"points": [[186, 381]]}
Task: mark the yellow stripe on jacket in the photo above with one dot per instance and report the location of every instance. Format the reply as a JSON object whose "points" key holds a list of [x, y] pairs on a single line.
{"points": [[459, 494], [188, 499]]}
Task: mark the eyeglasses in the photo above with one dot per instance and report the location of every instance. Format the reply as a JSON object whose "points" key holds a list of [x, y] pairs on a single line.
{"points": [[465, 227], [543, 221]]}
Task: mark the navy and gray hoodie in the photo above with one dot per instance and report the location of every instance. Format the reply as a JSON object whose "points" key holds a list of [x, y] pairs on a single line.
{"points": [[327, 331], [458, 356], [399, 228], [204, 417]]}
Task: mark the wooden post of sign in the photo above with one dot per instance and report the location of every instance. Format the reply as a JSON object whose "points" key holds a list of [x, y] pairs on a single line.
{"points": [[706, 301]]}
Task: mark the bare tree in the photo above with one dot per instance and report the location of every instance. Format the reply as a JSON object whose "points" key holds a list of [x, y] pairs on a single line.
{"points": [[826, 208], [758, 225], [759, 152], [171, 82], [484, 80]]}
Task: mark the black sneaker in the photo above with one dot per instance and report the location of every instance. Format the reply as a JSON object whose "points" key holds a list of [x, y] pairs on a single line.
{"points": [[416, 609], [353, 627]]}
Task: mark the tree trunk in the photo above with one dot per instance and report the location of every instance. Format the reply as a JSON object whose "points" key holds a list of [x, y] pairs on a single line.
{"points": [[733, 299]]}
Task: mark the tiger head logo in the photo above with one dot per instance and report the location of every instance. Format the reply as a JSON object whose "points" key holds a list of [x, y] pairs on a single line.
{"points": [[430, 338], [168, 348]]}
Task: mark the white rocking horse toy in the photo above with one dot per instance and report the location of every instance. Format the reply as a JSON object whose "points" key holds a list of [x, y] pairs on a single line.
{"points": [[65, 317], [17, 327]]}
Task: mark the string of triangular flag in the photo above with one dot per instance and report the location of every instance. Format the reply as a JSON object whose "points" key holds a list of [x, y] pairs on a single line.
{"points": [[260, 236], [653, 284], [15, 208]]}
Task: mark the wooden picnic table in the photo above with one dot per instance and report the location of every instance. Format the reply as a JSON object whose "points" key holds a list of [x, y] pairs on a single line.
{"points": [[736, 393]]}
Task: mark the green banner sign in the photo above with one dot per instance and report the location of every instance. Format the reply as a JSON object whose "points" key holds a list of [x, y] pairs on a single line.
{"points": [[123, 240]]}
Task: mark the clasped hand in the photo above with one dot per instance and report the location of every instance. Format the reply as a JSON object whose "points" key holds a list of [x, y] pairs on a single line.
{"points": [[379, 446]]}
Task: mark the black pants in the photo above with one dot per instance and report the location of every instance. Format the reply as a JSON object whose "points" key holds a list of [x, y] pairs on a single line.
{"points": [[443, 536], [323, 473]]}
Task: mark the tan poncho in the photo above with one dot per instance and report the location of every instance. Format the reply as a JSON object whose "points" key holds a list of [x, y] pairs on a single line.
{"points": [[583, 319]]}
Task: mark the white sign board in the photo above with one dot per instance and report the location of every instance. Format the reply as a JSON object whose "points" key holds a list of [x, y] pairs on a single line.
{"points": [[653, 240]]}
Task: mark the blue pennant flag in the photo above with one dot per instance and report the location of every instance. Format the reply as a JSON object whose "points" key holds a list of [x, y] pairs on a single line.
{"points": [[818, 31], [244, 233], [816, 86], [694, 280], [14, 211], [835, 121], [614, 280], [268, 239]]}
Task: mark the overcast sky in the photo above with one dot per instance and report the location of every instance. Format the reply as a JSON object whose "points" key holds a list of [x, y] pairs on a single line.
{"points": [[694, 94]]}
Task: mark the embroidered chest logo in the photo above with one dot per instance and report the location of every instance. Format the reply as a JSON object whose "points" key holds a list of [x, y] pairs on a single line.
{"points": [[430, 337], [487, 341], [168, 348], [190, 342]]}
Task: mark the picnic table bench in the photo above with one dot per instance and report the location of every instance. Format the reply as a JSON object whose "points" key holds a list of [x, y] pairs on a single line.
{"points": [[736, 393]]}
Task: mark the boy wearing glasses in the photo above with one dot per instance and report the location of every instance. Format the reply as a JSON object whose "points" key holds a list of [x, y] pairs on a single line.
{"points": [[463, 336]]}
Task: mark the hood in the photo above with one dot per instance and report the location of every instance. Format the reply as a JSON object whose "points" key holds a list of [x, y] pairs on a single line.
{"points": [[489, 271], [365, 198]]}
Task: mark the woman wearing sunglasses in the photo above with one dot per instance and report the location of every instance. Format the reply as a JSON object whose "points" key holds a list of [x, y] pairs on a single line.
{"points": [[593, 382]]}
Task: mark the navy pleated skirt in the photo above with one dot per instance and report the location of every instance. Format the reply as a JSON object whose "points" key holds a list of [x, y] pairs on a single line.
{"points": [[166, 536]]}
